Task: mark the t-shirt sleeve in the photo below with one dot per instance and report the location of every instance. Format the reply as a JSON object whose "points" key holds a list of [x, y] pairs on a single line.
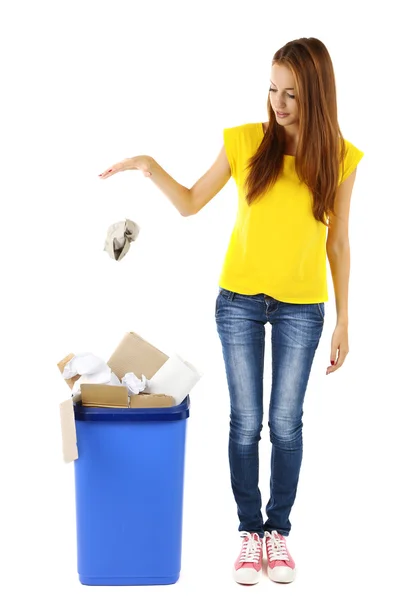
{"points": [[230, 135], [352, 158]]}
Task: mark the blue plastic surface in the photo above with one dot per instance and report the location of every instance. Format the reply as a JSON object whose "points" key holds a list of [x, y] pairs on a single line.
{"points": [[170, 413], [129, 481]]}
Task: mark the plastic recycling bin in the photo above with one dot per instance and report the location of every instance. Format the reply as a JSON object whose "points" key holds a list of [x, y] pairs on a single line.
{"points": [[129, 480]]}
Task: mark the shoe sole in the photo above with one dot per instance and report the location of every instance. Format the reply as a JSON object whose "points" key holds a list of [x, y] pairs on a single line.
{"points": [[281, 574], [247, 576]]}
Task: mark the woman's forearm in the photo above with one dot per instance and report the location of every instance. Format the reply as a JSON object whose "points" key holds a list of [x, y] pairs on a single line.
{"points": [[179, 195], [339, 261]]}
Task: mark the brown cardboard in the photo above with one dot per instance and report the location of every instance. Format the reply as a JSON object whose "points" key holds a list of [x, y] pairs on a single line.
{"points": [[68, 431], [114, 396], [135, 355], [98, 394], [61, 366], [151, 400]]}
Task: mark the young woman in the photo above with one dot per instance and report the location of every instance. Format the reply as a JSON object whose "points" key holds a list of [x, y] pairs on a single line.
{"points": [[294, 175]]}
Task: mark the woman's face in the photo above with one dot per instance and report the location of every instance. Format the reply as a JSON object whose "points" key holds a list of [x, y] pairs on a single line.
{"points": [[283, 100]]}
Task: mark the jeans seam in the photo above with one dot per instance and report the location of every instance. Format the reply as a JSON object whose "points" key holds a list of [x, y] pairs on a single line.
{"points": [[320, 311]]}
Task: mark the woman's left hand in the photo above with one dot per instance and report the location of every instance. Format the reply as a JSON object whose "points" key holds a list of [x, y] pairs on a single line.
{"points": [[340, 345]]}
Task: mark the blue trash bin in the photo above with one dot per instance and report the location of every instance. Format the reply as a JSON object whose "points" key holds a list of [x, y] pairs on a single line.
{"points": [[129, 480]]}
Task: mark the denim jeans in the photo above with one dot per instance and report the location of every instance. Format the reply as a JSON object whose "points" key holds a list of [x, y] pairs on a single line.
{"points": [[295, 334]]}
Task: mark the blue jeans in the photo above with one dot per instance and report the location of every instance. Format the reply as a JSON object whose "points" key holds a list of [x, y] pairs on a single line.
{"points": [[295, 335]]}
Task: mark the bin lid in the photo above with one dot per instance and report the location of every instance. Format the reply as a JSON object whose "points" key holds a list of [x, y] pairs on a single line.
{"points": [[99, 413]]}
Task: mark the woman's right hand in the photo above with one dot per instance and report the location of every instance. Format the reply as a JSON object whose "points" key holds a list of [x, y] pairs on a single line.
{"points": [[140, 163]]}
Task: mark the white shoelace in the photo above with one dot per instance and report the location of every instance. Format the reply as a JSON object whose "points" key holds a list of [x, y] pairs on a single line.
{"points": [[251, 548], [276, 547]]}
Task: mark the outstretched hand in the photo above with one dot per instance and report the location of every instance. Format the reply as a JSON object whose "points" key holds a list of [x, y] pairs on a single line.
{"points": [[140, 163]]}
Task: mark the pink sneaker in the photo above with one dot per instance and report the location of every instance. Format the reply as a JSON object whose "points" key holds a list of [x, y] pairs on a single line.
{"points": [[281, 566], [247, 569]]}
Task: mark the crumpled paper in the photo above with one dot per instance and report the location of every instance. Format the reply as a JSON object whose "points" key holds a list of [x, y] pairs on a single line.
{"points": [[85, 362], [92, 370], [119, 238], [134, 384]]}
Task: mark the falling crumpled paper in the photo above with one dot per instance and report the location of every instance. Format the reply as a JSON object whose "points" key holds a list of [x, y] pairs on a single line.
{"points": [[119, 238]]}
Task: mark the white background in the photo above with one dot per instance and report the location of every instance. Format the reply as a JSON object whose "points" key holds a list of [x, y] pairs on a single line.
{"points": [[87, 84]]}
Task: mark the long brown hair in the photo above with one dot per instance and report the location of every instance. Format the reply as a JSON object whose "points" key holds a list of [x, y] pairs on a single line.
{"points": [[317, 159]]}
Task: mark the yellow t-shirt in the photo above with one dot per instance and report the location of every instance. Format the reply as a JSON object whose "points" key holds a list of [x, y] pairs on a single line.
{"points": [[277, 247]]}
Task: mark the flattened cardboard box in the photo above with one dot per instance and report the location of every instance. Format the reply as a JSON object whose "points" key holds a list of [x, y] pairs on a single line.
{"points": [[135, 355], [143, 400], [68, 431], [110, 396], [98, 394]]}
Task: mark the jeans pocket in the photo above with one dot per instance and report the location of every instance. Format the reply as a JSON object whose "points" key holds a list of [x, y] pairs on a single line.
{"points": [[224, 292]]}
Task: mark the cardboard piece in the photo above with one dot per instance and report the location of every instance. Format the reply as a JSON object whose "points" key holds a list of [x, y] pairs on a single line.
{"points": [[135, 355], [68, 431], [114, 396], [143, 400], [100, 394]]}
